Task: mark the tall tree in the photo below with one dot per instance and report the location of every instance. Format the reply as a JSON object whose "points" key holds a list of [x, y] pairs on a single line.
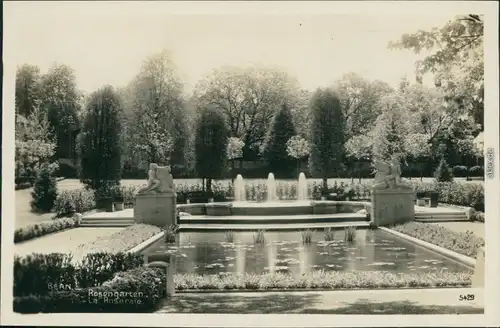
{"points": [[249, 98], [327, 135], [456, 61], [61, 99], [27, 89], [211, 145], [155, 111], [359, 100], [100, 147], [276, 154]]}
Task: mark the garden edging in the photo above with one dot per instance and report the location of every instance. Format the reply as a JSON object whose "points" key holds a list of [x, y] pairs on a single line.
{"points": [[142, 246], [468, 261]]}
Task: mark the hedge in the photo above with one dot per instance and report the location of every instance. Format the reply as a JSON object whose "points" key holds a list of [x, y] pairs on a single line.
{"points": [[43, 228], [41, 274], [133, 291], [465, 243]]}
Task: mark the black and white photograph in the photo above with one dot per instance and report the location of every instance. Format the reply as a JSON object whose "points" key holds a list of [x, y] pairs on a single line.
{"points": [[181, 163]]}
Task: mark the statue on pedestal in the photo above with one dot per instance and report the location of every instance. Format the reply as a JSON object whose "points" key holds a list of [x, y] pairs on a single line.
{"points": [[160, 180], [388, 176]]}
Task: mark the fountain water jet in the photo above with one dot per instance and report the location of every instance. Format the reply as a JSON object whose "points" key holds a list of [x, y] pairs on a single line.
{"points": [[271, 188], [302, 187], [239, 189]]}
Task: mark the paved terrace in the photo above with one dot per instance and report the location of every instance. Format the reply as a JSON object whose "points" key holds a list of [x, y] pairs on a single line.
{"points": [[402, 301]]}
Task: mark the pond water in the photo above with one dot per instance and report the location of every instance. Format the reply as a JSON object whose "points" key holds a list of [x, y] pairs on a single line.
{"points": [[371, 250]]}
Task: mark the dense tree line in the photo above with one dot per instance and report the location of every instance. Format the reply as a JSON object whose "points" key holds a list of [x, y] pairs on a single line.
{"points": [[263, 113]]}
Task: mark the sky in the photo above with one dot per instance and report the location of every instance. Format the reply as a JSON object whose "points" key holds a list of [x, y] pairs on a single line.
{"points": [[105, 43]]}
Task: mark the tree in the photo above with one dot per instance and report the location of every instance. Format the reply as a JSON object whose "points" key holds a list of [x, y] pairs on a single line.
{"points": [[359, 100], [297, 148], [358, 150], [27, 89], [61, 99], [275, 152], [155, 112], [211, 145], [327, 134], [100, 148], [249, 99], [44, 193], [456, 60], [443, 172], [390, 129], [34, 145], [234, 150]]}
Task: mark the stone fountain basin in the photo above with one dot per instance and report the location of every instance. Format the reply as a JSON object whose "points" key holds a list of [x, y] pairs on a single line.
{"points": [[274, 208]]}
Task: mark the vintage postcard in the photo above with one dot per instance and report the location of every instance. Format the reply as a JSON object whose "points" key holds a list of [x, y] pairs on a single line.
{"points": [[299, 163]]}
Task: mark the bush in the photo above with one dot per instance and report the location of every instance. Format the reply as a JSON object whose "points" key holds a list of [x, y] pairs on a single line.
{"points": [[45, 191], [133, 291], [68, 171], [455, 193], [443, 172], [321, 279], [460, 171], [465, 243], [41, 274], [43, 228], [476, 171], [38, 273], [69, 202]]}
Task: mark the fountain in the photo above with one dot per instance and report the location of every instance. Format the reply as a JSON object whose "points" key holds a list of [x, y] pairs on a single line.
{"points": [[302, 187], [239, 189], [271, 188]]}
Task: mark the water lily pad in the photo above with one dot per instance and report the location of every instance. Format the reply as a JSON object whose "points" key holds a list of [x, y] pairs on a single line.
{"points": [[423, 267], [333, 266], [230, 265], [381, 264], [360, 258], [394, 248]]}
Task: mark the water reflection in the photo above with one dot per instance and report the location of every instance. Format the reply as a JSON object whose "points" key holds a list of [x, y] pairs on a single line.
{"points": [[372, 250]]}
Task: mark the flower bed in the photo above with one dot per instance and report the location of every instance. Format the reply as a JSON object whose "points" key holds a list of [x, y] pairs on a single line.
{"points": [[320, 280], [465, 243], [120, 241], [133, 291], [43, 228]]}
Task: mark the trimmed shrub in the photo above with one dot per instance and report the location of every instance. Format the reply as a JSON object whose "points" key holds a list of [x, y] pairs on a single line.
{"points": [[69, 202], [132, 291], [476, 171], [41, 274], [44, 192], [43, 228], [465, 243], [443, 172], [460, 171]]}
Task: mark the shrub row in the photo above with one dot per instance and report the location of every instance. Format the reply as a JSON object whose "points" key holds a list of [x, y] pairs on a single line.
{"points": [[320, 279], [41, 274], [455, 193], [43, 228], [465, 243], [133, 291]]}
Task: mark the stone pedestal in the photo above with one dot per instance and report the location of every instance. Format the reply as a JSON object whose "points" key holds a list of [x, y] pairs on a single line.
{"points": [[156, 209], [392, 206]]}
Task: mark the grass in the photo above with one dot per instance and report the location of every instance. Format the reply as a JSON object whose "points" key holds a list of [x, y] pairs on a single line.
{"points": [[307, 236], [350, 234], [329, 234], [171, 232], [321, 280], [259, 237], [229, 236], [466, 243]]}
